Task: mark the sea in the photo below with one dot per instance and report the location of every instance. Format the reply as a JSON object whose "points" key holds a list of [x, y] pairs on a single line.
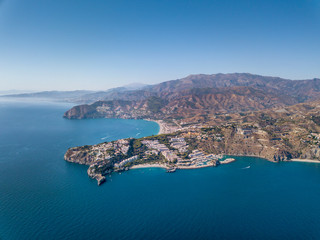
{"points": [[44, 197]]}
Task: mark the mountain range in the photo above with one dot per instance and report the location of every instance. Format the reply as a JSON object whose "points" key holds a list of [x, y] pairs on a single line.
{"points": [[199, 95]]}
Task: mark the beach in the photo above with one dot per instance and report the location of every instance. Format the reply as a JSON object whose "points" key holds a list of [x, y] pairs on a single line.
{"points": [[305, 160], [164, 128]]}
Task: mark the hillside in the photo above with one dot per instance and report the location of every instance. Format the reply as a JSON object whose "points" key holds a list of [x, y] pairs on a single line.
{"points": [[303, 89]]}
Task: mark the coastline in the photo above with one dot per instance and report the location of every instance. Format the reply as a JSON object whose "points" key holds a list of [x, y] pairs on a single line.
{"points": [[253, 156], [163, 129], [159, 165]]}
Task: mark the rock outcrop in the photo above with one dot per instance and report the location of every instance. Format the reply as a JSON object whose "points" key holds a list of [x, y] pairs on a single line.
{"points": [[96, 170]]}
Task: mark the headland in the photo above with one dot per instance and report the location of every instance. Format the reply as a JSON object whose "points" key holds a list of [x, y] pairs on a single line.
{"points": [[204, 117]]}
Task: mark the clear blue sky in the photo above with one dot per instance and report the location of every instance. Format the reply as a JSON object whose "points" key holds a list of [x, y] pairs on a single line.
{"points": [[99, 44]]}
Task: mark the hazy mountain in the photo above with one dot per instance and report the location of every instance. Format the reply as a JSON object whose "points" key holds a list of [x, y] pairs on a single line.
{"points": [[57, 95], [13, 91], [81, 96]]}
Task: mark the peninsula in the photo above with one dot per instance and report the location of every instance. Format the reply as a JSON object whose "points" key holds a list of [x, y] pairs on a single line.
{"points": [[248, 117]]}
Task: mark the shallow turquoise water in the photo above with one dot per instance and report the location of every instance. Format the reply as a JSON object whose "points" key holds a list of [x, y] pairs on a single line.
{"points": [[44, 197]]}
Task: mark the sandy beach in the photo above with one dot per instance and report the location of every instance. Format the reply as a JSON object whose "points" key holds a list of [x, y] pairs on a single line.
{"points": [[305, 160], [163, 126]]}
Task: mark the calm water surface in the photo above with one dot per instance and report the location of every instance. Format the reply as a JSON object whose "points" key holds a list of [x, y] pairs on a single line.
{"points": [[44, 197]]}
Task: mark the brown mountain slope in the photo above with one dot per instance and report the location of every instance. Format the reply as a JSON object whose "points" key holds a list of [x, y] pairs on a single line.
{"points": [[218, 81], [202, 94], [185, 104], [300, 89], [230, 99]]}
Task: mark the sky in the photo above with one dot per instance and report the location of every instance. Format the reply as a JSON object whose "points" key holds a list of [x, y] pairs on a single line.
{"points": [[100, 44]]}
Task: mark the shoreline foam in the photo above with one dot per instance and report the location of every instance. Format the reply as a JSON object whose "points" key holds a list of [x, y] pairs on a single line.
{"points": [[158, 165], [155, 165], [304, 160]]}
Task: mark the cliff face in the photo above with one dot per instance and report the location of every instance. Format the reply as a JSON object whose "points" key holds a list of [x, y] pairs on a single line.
{"points": [[109, 109], [84, 111]]}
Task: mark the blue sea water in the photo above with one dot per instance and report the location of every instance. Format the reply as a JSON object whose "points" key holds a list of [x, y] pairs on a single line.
{"points": [[44, 197]]}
